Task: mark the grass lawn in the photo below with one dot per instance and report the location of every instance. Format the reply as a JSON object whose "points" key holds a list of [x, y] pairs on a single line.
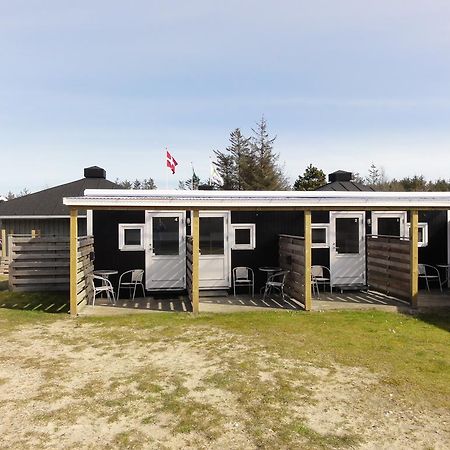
{"points": [[245, 380]]}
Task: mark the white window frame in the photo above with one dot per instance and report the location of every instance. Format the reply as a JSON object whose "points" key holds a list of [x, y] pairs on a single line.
{"points": [[243, 226], [325, 244], [389, 215], [424, 226], [130, 226]]}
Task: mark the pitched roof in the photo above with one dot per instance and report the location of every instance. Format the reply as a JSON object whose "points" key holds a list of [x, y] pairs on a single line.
{"points": [[341, 180], [345, 186], [49, 202]]}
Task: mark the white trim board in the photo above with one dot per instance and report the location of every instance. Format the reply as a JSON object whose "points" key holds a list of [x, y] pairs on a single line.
{"points": [[334, 200]]}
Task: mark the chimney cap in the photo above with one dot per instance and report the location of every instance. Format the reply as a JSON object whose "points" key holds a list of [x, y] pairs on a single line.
{"points": [[94, 172], [340, 175]]}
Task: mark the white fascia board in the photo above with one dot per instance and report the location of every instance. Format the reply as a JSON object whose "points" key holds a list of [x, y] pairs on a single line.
{"points": [[199, 194], [262, 202], [147, 199]]}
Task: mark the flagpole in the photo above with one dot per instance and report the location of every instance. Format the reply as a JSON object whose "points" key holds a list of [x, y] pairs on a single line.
{"points": [[167, 172]]}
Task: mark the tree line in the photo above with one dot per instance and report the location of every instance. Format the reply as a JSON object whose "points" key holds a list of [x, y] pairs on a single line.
{"points": [[251, 163]]}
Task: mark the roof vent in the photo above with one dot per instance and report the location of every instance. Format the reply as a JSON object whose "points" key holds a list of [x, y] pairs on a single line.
{"points": [[94, 172], [339, 175]]}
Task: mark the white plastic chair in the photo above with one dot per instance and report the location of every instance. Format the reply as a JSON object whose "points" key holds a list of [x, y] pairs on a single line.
{"points": [[276, 281], [319, 276], [243, 276], [135, 280], [426, 272], [105, 287]]}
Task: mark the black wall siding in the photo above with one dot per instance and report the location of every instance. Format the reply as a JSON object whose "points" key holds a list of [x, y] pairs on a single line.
{"points": [[268, 226], [106, 242], [436, 250], [320, 217]]}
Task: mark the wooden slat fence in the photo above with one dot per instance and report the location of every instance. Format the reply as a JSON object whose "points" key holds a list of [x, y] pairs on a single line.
{"points": [[189, 266], [389, 265], [42, 264], [292, 258], [85, 267]]}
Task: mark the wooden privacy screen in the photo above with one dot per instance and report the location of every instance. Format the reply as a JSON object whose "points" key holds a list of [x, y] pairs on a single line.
{"points": [[189, 266], [389, 265], [43, 264], [85, 267], [292, 258]]}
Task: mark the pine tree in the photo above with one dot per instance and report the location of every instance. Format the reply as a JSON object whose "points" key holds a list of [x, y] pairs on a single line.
{"points": [[266, 174], [250, 163], [312, 179], [226, 169], [240, 152]]}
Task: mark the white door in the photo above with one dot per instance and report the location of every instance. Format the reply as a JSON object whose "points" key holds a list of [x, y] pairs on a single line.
{"points": [[389, 223], [214, 250], [165, 254], [347, 249]]}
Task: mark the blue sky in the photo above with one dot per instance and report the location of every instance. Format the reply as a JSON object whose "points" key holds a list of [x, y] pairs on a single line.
{"points": [[112, 83]]}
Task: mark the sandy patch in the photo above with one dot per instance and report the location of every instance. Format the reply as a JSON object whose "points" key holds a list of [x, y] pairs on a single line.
{"points": [[68, 386]]}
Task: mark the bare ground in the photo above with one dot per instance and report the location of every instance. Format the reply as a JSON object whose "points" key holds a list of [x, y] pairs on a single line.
{"points": [[63, 385]]}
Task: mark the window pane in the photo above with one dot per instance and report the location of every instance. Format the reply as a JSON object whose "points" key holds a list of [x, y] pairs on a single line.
{"points": [[347, 235], [319, 235], [242, 236], [166, 235], [211, 236], [420, 233], [389, 226], [132, 236]]}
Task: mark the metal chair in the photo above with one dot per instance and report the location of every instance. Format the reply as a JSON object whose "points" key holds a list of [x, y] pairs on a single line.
{"points": [[243, 276], [276, 281], [106, 287], [318, 276], [135, 280], [424, 273]]}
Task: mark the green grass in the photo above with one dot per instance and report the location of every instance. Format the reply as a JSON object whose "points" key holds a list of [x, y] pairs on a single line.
{"points": [[412, 353], [409, 355]]}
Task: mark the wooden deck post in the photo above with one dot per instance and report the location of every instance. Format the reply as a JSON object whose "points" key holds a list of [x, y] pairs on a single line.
{"points": [[195, 261], [73, 261], [3, 243], [414, 252], [308, 242]]}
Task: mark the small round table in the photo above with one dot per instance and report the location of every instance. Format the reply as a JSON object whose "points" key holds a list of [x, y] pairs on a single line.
{"points": [[447, 272], [105, 273], [269, 271]]}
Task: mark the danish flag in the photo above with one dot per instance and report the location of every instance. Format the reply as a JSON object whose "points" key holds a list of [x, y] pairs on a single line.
{"points": [[171, 162]]}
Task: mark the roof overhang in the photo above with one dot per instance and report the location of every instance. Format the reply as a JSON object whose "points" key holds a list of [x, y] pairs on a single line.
{"points": [[257, 200], [30, 217]]}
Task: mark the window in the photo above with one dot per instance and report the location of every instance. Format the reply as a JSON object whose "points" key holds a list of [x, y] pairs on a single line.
{"points": [[212, 236], [243, 236], [131, 237], [423, 233], [319, 233]]}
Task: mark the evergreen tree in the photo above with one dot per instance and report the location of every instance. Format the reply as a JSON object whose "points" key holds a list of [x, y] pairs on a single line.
{"points": [[311, 179], [240, 153], [191, 184], [226, 168], [266, 174], [137, 184], [148, 184], [250, 163]]}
